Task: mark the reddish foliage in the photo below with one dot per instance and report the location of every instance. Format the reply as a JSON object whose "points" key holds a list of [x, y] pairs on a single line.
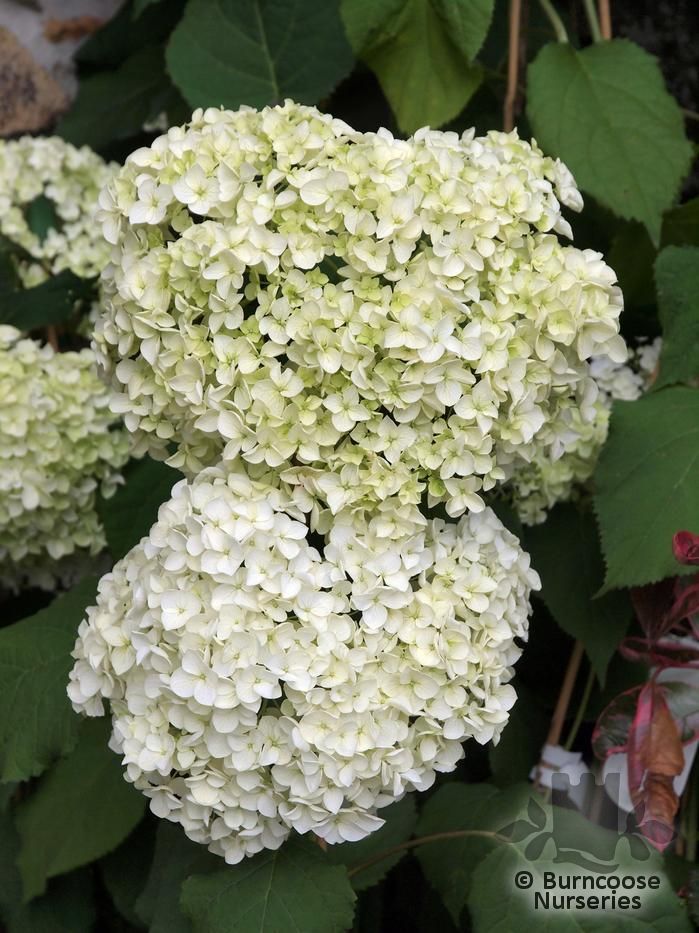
{"points": [[651, 721], [655, 757], [685, 547]]}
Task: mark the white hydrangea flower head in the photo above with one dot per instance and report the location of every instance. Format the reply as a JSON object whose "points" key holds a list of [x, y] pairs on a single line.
{"points": [[369, 316], [555, 476], [70, 178], [59, 447], [259, 684]]}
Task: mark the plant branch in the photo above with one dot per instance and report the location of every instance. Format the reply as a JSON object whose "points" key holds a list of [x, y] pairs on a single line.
{"points": [[424, 840], [559, 714], [591, 14], [52, 337], [582, 707], [508, 118], [555, 20], [605, 19]]}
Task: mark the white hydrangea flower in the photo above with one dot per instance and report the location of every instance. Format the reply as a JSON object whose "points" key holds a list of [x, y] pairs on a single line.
{"points": [[264, 678], [370, 317], [70, 179], [59, 447], [554, 476]]}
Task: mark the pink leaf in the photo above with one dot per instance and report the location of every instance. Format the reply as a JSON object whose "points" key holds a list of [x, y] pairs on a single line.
{"points": [[655, 757], [651, 604], [611, 732], [685, 547]]}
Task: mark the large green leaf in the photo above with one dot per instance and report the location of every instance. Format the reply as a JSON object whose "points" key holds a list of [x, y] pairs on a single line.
{"points": [[67, 907], [647, 485], [565, 552], [257, 52], [449, 863], [294, 888], [125, 870], [49, 303], [681, 225], [569, 846], [41, 216], [677, 280], [115, 104], [605, 111], [81, 810], [36, 721], [400, 822], [422, 52], [175, 858], [128, 515]]}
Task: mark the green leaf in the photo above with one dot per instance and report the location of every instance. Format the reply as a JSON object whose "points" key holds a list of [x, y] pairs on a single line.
{"points": [[448, 864], [175, 858], [115, 104], [497, 906], [49, 303], [647, 485], [258, 52], [677, 280], [37, 723], [422, 52], [370, 22], [565, 551], [67, 907], [81, 810], [125, 870], [681, 225], [631, 256], [128, 515], [400, 821], [293, 888], [41, 216], [605, 111]]}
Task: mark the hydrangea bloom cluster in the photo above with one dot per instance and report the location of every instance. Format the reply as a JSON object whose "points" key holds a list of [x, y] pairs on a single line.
{"points": [[59, 446], [260, 684], [370, 317], [548, 479], [40, 167]]}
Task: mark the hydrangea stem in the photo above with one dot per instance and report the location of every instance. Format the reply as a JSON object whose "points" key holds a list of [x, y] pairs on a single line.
{"points": [[555, 20], [591, 13], [424, 840], [512, 65], [582, 707], [605, 19], [559, 714]]}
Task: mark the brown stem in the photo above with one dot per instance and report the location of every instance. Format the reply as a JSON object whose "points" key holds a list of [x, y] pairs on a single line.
{"points": [[52, 337], [559, 713], [605, 19], [508, 116], [423, 840]]}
